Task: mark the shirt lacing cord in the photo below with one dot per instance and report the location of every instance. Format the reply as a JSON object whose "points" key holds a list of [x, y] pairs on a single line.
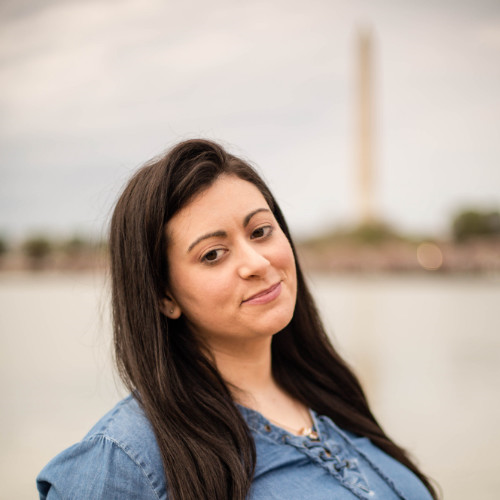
{"points": [[337, 461], [350, 445], [331, 449]]}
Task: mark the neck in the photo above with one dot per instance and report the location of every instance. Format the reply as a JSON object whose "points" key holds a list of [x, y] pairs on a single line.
{"points": [[247, 370], [246, 367]]}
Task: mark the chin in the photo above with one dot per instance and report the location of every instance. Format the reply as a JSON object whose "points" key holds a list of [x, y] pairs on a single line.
{"points": [[279, 322]]}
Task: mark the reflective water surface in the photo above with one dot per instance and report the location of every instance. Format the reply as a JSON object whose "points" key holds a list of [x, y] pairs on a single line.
{"points": [[427, 349]]}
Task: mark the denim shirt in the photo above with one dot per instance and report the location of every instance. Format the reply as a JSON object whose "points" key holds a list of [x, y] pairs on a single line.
{"points": [[119, 459]]}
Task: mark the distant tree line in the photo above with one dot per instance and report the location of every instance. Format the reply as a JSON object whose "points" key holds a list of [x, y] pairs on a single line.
{"points": [[36, 249], [40, 246], [3, 246], [466, 225], [469, 224]]}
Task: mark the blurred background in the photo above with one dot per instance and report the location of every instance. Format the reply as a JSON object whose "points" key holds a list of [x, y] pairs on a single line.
{"points": [[376, 125]]}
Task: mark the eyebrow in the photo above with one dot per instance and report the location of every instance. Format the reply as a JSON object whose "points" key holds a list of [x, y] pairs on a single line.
{"points": [[247, 219], [223, 234], [215, 234]]}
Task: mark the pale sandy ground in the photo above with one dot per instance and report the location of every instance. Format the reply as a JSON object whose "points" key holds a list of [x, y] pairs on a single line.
{"points": [[428, 349]]}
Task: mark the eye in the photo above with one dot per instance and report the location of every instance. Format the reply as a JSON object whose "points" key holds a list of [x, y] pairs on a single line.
{"points": [[213, 256], [261, 232]]}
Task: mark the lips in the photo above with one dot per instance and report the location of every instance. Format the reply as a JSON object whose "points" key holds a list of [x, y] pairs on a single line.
{"points": [[265, 295]]}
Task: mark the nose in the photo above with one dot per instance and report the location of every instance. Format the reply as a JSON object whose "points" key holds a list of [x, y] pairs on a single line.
{"points": [[252, 263]]}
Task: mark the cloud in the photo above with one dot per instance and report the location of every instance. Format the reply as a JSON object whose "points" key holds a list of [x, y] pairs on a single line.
{"points": [[96, 88], [488, 34]]}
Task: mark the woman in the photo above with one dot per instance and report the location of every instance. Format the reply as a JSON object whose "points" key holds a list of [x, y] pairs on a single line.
{"points": [[236, 390]]}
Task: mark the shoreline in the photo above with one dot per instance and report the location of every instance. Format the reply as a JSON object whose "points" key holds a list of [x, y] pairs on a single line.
{"points": [[343, 256]]}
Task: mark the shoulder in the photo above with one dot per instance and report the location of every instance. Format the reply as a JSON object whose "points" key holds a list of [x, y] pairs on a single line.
{"points": [[118, 458], [127, 426]]}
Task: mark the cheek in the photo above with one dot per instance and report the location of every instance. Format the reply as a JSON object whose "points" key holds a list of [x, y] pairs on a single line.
{"points": [[198, 292], [286, 263], [283, 257]]}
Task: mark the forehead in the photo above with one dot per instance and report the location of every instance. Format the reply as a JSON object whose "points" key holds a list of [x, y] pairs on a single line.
{"points": [[229, 197]]}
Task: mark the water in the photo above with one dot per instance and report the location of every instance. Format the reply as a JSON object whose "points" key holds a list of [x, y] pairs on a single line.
{"points": [[427, 349]]}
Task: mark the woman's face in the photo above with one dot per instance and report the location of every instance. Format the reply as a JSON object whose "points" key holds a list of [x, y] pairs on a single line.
{"points": [[232, 270]]}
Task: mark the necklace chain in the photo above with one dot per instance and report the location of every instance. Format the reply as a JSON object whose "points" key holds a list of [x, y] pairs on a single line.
{"points": [[303, 431]]}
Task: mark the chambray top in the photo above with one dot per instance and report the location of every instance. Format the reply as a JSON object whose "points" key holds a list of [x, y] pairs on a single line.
{"points": [[119, 459]]}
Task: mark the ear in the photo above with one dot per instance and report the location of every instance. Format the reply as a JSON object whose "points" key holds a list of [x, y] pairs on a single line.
{"points": [[170, 308]]}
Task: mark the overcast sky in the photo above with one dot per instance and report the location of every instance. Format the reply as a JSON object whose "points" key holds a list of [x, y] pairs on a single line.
{"points": [[91, 90]]}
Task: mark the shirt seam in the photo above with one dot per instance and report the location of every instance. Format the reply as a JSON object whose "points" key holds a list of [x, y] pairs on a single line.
{"points": [[125, 450]]}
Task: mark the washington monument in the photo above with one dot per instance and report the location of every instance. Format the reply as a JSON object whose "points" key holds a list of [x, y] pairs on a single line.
{"points": [[364, 128]]}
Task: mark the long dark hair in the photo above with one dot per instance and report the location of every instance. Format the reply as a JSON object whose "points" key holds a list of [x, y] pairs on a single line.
{"points": [[206, 446]]}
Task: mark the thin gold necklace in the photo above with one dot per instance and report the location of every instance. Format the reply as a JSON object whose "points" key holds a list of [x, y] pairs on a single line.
{"points": [[303, 431]]}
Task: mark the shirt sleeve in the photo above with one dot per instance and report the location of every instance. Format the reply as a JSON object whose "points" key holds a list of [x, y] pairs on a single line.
{"points": [[94, 469]]}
